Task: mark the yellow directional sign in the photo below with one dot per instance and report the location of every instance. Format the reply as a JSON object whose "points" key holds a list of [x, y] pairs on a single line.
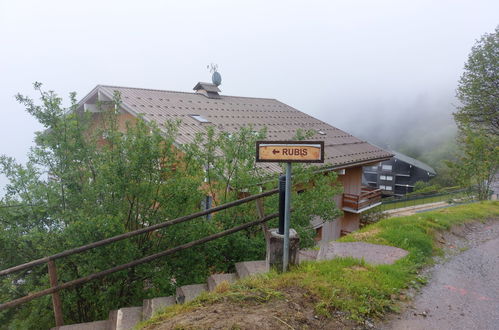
{"points": [[290, 151]]}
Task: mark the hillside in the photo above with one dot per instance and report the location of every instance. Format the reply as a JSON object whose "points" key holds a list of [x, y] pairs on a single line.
{"points": [[339, 293]]}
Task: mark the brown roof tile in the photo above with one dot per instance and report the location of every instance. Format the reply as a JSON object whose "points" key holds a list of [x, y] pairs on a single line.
{"points": [[231, 112]]}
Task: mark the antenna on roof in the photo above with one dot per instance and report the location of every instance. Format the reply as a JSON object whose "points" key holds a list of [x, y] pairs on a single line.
{"points": [[216, 78]]}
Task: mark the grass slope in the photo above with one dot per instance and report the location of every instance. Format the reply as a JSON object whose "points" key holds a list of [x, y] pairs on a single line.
{"points": [[349, 285]]}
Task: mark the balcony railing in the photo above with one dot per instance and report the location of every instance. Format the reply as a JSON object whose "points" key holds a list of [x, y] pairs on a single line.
{"points": [[403, 173], [369, 197]]}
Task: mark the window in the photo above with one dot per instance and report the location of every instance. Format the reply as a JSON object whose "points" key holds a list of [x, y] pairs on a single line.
{"points": [[388, 187], [382, 177], [389, 177], [382, 187], [201, 119], [374, 168], [386, 167]]}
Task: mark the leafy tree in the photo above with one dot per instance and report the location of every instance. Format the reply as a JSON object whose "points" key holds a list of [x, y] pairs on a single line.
{"points": [[479, 161], [478, 89], [425, 188], [87, 179], [83, 184], [478, 116]]}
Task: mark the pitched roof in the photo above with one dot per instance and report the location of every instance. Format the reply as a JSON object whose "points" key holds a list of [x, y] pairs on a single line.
{"points": [[229, 113], [413, 162]]}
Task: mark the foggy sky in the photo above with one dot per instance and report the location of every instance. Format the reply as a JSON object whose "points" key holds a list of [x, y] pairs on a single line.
{"points": [[362, 66]]}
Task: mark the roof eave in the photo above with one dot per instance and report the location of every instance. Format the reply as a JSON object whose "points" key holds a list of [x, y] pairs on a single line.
{"points": [[354, 164], [129, 109], [87, 97]]}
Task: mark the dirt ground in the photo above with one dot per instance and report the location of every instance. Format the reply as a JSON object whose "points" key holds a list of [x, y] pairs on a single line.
{"points": [[294, 311]]}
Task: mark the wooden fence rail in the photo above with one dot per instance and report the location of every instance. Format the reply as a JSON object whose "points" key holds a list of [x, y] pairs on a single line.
{"points": [[136, 232], [134, 263], [50, 260]]}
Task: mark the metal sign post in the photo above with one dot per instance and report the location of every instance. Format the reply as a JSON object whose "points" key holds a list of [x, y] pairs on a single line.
{"points": [[282, 202], [289, 152], [287, 218]]}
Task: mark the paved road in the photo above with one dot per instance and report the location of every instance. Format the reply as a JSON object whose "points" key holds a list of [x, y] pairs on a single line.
{"points": [[495, 187], [463, 293]]}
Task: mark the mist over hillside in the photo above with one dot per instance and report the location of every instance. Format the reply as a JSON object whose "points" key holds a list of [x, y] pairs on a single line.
{"points": [[422, 128]]}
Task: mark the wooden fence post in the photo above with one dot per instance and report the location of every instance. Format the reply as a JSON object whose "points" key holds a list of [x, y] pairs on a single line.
{"points": [[56, 298], [261, 214]]}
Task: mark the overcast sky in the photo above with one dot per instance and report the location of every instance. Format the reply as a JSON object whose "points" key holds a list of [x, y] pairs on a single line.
{"points": [[354, 64]]}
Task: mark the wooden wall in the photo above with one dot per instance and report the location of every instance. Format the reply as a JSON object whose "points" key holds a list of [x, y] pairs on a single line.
{"points": [[352, 180], [352, 183]]}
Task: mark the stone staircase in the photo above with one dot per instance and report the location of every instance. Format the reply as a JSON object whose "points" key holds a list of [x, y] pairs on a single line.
{"points": [[127, 317]]}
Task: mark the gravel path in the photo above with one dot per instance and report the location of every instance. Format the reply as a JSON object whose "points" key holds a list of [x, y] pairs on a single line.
{"points": [[374, 254], [463, 292]]}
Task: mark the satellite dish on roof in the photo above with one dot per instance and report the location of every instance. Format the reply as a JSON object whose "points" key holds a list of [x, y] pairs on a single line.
{"points": [[216, 78]]}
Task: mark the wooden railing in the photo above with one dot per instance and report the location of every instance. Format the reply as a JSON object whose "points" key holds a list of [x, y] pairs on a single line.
{"points": [[368, 196], [55, 286]]}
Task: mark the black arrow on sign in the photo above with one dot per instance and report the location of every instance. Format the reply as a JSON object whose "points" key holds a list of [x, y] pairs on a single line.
{"points": [[275, 151]]}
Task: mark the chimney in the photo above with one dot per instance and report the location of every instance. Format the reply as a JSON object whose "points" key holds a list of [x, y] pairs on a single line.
{"points": [[207, 89]]}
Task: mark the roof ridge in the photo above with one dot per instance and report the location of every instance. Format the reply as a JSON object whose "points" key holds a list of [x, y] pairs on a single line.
{"points": [[146, 89], [191, 93], [416, 162]]}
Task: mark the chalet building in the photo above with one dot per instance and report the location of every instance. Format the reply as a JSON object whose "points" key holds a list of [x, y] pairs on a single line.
{"points": [[397, 176], [206, 106]]}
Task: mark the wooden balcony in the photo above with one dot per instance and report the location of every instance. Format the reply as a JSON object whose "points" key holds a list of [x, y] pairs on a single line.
{"points": [[369, 197]]}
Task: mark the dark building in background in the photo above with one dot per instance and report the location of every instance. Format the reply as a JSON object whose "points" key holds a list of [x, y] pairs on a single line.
{"points": [[397, 176]]}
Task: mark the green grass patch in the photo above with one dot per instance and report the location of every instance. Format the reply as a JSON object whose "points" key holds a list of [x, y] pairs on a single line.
{"points": [[349, 284]]}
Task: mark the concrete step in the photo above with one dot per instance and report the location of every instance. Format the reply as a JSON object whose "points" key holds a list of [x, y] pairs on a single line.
{"points": [[125, 318], [97, 325], [150, 306], [216, 279], [307, 255], [247, 268], [187, 293]]}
